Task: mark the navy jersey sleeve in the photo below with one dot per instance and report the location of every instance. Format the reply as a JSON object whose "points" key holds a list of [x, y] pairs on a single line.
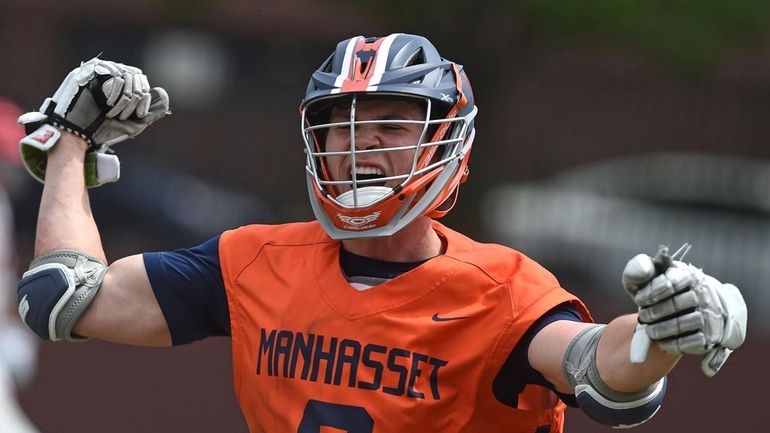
{"points": [[189, 287], [517, 372]]}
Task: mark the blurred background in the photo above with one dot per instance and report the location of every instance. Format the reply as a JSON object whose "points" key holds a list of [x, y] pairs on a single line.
{"points": [[605, 129]]}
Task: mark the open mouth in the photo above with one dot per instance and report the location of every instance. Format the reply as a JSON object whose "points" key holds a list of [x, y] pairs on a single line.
{"points": [[368, 176]]}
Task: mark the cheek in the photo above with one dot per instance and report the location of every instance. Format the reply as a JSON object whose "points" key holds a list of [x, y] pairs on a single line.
{"points": [[336, 141], [334, 165], [333, 144], [402, 161], [334, 161]]}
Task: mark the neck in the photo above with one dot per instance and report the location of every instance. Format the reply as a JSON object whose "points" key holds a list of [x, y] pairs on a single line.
{"points": [[417, 241]]}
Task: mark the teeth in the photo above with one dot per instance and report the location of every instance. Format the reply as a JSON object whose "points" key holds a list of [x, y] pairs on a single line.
{"points": [[365, 170]]}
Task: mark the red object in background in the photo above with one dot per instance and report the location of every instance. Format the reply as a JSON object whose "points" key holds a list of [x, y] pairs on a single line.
{"points": [[10, 131]]}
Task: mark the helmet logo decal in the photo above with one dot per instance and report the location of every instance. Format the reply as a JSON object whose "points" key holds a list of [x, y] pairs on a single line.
{"points": [[447, 98], [370, 58], [366, 56], [359, 223]]}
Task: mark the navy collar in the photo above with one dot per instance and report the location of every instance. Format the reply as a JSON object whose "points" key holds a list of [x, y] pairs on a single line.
{"points": [[354, 265]]}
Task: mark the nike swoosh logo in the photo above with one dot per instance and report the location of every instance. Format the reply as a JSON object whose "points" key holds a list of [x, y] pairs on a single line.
{"points": [[436, 318]]}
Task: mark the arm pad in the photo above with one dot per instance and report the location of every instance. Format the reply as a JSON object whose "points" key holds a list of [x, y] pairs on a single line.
{"points": [[595, 398], [55, 292], [621, 414]]}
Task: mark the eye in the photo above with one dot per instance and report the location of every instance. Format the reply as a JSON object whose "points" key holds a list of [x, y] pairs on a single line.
{"points": [[392, 127], [343, 127]]}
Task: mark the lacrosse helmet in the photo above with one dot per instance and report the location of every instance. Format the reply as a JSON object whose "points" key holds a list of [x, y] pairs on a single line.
{"points": [[371, 203]]}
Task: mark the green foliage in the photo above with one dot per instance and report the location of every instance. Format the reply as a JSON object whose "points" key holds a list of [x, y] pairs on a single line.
{"points": [[687, 34]]}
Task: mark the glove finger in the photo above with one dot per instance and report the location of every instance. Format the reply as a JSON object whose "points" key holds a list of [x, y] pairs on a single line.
{"points": [[159, 106], [693, 344], [86, 73], [125, 97], [112, 90], [119, 106], [140, 93], [131, 106], [668, 307], [129, 68], [659, 288], [142, 84], [128, 89], [134, 91], [144, 106], [676, 326], [638, 271], [673, 281], [92, 61], [104, 67]]}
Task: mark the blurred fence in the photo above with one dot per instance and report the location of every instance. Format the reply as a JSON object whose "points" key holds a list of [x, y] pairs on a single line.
{"points": [[585, 223]]}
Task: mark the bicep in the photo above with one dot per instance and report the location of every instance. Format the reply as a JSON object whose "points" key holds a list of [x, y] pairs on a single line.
{"points": [[125, 309], [547, 349]]}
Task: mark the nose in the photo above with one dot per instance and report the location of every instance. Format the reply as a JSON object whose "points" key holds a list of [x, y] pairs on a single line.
{"points": [[366, 137]]}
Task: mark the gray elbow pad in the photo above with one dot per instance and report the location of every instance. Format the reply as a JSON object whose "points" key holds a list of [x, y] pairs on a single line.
{"points": [[55, 292], [595, 398]]}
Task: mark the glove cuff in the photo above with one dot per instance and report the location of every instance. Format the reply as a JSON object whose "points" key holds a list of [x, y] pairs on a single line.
{"points": [[35, 146], [101, 166]]}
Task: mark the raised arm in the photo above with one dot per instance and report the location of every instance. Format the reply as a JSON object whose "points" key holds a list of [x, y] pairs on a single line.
{"points": [[69, 292], [124, 309]]}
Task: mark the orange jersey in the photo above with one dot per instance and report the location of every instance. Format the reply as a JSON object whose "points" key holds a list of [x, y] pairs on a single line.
{"points": [[417, 353]]}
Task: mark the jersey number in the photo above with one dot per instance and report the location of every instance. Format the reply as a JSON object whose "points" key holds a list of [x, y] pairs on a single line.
{"points": [[352, 419]]}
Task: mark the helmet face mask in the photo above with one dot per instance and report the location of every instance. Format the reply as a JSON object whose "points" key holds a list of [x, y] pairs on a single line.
{"points": [[379, 158]]}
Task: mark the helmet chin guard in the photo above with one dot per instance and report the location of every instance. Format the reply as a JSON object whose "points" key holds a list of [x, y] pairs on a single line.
{"points": [[372, 187], [363, 196]]}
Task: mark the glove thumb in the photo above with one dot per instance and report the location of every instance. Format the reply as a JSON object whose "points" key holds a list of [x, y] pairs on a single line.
{"points": [[735, 309], [638, 272], [714, 360], [159, 105]]}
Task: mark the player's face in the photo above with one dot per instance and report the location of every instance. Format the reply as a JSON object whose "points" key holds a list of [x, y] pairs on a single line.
{"points": [[374, 136]]}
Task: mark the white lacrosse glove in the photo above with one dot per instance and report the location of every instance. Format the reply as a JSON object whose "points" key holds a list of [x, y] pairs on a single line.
{"points": [[684, 310], [101, 101]]}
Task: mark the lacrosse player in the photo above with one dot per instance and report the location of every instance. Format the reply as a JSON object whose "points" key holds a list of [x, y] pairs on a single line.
{"points": [[374, 317]]}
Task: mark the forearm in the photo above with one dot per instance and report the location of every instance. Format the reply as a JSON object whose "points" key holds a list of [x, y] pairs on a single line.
{"points": [[65, 220], [612, 358]]}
